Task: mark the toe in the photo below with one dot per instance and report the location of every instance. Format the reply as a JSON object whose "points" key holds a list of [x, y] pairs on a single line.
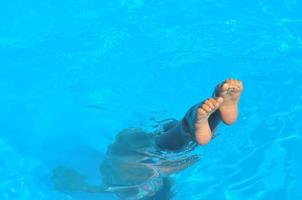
{"points": [[213, 101], [230, 81], [206, 107], [238, 84], [241, 85], [210, 103], [233, 84], [219, 100], [225, 86], [201, 111]]}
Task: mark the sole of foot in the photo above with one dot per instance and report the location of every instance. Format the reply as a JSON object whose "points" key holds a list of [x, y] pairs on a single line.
{"points": [[203, 133], [230, 90]]}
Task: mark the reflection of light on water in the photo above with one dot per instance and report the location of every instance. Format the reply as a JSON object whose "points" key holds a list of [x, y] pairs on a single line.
{"points": [[16, 173], [231, 24], [104, 99]]}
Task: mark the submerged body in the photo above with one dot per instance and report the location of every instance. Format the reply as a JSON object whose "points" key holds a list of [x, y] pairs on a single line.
{"points": [[135, 163], [137, 166]]}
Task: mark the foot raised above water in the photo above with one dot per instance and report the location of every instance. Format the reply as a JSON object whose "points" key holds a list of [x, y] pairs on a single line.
{"points": [[203, 133], [230, 90]]}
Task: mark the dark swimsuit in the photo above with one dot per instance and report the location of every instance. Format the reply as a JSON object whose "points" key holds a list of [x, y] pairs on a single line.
{"points": [[136, 168]]}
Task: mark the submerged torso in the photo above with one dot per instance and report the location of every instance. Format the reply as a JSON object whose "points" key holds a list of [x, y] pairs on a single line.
{"points": [[134, 166]]}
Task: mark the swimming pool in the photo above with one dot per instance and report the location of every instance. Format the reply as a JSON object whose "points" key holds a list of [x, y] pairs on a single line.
{"points": [[73, 73]]}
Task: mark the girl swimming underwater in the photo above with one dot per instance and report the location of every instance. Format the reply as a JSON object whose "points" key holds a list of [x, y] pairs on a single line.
{"points": [[138, 164]]}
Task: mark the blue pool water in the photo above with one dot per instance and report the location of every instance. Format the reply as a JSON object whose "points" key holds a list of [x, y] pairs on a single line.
{"points": [[74, 73]]}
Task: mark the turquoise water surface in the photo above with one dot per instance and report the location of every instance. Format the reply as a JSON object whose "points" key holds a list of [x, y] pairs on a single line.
{"points": [[74, 73]]}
